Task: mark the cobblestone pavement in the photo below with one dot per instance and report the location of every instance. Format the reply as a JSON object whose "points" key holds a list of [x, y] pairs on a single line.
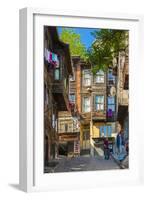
{"points": [[83, 164]]}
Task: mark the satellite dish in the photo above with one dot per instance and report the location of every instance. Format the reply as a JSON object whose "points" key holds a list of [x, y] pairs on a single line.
{"points": [[112, 91]]}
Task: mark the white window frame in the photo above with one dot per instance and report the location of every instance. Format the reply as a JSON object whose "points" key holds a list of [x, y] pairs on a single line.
{"points": [[99, 77], [111, 104], [86, 108], [101, 105], [86, 72], [111, 79]]}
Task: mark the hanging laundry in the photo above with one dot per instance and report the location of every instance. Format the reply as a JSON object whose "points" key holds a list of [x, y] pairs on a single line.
{"points": [[55, 57], [55, 60], [46, 54], [50, 57]]}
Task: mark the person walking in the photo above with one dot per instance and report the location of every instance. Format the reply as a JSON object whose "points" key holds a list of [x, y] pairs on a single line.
{"points": [[106, 149], [120, 144], [119, 139]]}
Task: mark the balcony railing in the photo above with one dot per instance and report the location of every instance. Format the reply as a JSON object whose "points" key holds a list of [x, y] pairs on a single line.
{"points": [[101, 115], [71, 130], [60, 93]]}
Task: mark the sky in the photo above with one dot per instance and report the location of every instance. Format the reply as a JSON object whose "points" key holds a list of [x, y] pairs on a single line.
{"points": [[85, 34]]}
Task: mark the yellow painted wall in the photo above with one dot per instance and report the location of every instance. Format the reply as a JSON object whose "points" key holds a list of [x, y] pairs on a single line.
{"points": [[96, 130]]}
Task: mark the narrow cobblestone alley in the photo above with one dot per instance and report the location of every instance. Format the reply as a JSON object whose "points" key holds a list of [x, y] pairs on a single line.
{"points": [[82, 164]]}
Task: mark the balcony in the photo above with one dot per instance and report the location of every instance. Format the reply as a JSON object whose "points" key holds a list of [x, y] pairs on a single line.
{"points": [[101, 115], [72, 136], [96, 116], [68, 131], [58, 86], [60, 95]]}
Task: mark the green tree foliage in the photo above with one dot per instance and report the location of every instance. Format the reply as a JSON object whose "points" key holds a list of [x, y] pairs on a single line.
{"points": [[107, 45], [74, 40]]}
